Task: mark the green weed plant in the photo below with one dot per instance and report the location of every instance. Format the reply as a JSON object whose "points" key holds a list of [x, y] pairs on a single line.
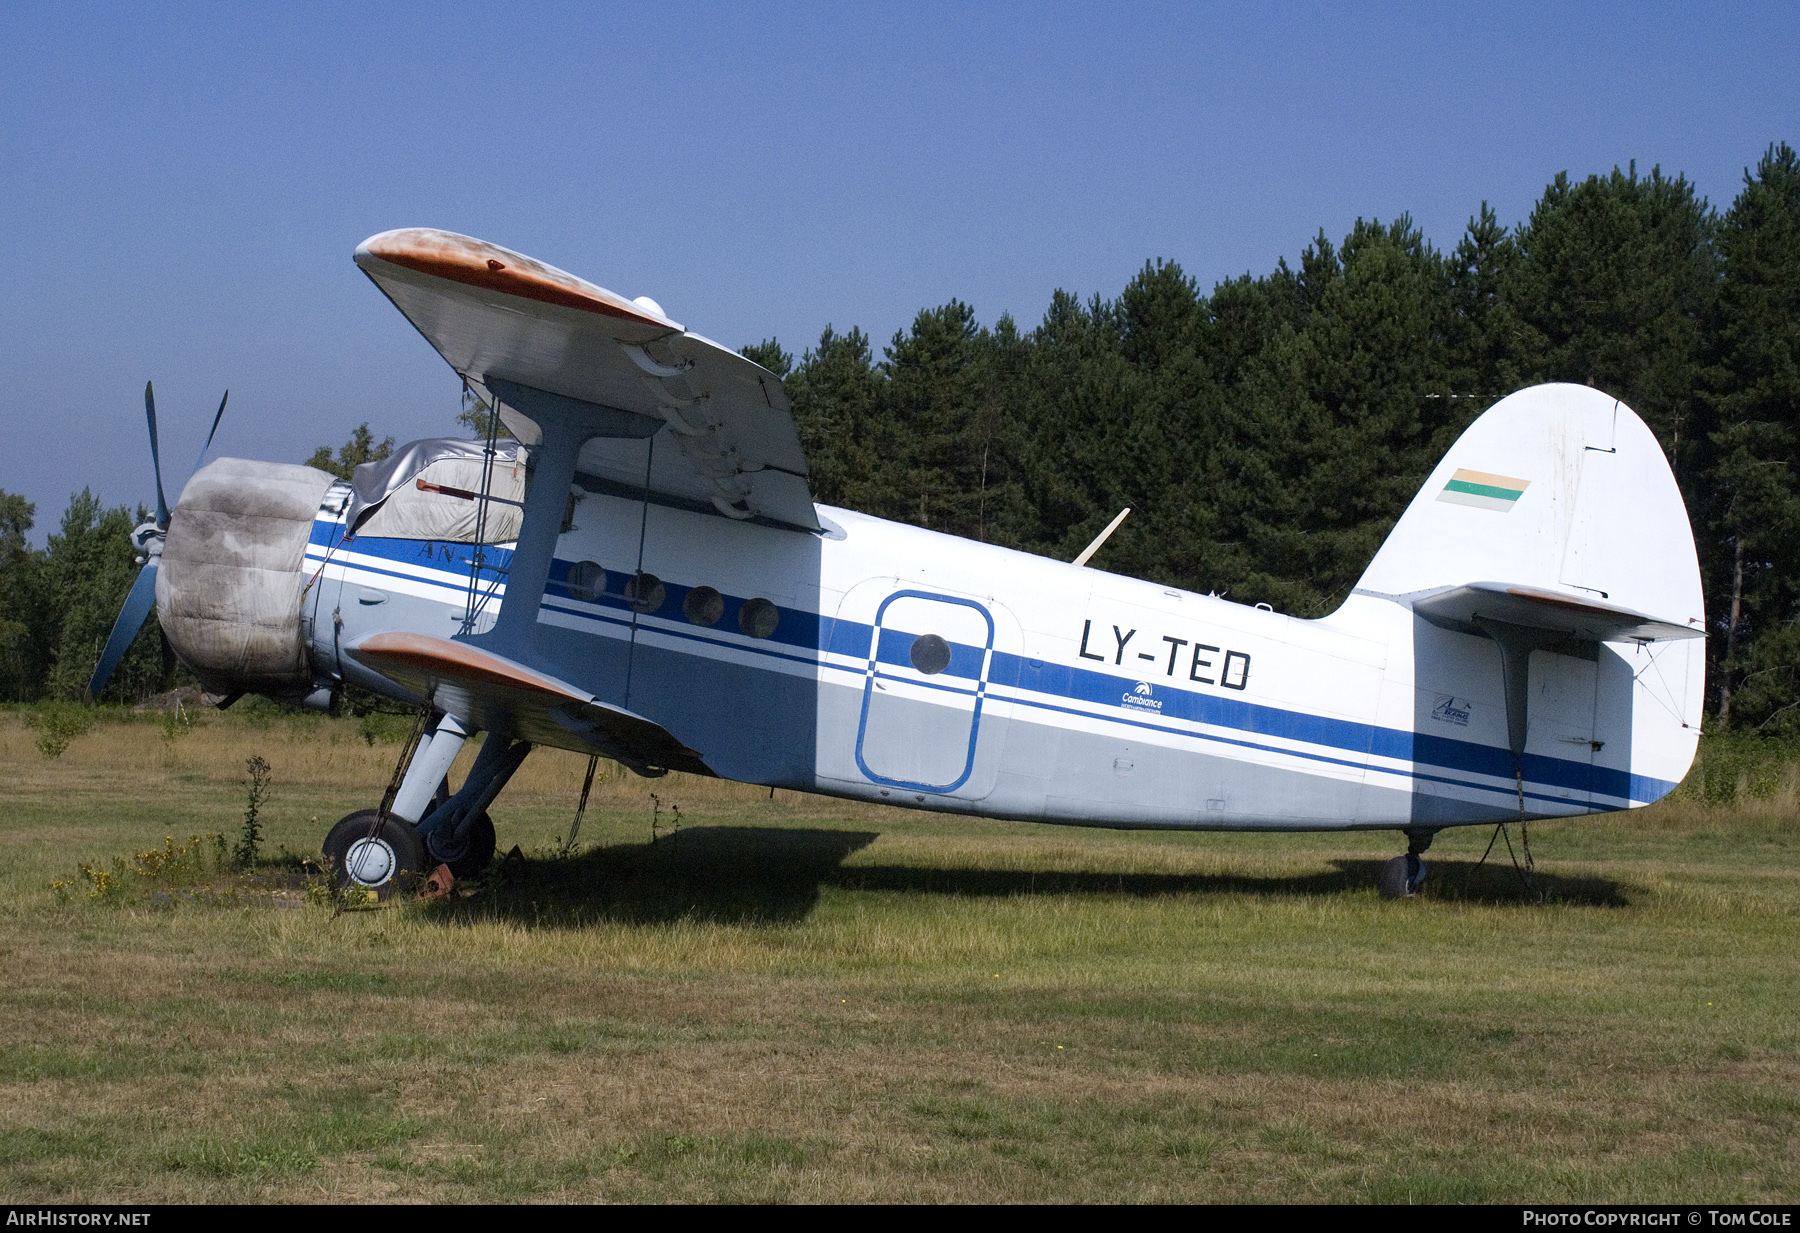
{"points": [[249, 845], [177, 723], [192, 868], [57, 724]]}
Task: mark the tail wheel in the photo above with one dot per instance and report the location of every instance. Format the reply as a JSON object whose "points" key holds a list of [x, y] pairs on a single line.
{"points": [[387, 861], [1402, 877]]}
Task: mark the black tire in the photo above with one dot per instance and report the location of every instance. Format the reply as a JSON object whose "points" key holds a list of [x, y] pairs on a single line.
{"points": [[1401, 877], [480, 852], [389, 863]]}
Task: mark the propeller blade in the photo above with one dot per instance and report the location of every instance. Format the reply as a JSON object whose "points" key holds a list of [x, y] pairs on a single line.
{"points": [[215, 429], [125, 629], [162, 504]]}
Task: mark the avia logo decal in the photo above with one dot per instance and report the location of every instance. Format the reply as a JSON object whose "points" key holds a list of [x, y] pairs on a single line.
{"points": [[1484, 491], [1141, 697], [1451, 710]]}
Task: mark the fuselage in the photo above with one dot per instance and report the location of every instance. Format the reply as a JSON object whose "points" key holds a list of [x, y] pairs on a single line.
{"points": [[886, 662]]}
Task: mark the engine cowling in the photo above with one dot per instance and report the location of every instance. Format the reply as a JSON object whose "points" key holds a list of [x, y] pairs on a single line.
{"points": [[229, 588]]}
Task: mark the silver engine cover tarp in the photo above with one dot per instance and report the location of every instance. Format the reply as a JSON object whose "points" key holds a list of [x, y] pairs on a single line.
{"points": [[229, 589], [411, 512], [375, 483]]}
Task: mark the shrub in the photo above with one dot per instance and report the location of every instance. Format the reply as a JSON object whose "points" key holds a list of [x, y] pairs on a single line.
{"points": [[177, 723], [56, 724]]}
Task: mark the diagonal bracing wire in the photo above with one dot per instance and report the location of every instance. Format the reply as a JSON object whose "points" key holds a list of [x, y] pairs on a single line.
{"points": [[478, 558]]}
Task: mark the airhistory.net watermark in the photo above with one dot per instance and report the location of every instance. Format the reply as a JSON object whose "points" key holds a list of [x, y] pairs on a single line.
{"points": [[61, 1218]]}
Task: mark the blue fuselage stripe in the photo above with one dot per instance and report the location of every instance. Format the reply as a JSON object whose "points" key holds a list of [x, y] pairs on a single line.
{"points": [[1031, 682]]}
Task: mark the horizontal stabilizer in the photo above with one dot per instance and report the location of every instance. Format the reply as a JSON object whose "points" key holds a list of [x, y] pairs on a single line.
{"points": [[497, 694], [1580, 617]]}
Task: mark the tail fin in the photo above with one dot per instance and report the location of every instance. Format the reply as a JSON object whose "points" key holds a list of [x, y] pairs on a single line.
{"points": [[1553, 520]]}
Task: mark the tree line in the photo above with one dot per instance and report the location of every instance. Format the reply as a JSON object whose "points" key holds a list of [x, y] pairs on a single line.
{"points": [[1266, 433]]}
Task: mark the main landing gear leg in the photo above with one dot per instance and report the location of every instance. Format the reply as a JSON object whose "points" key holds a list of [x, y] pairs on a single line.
{"points": [[1402, 877], [458, 832], [385, 854], [430, 764]]}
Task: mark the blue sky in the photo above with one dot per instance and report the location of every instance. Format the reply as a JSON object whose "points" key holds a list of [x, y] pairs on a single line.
{"points": [[181, 186]]}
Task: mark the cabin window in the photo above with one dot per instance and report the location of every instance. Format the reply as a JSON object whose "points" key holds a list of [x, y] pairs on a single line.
{"points": [[703, 606], [758, 618], [645, 593], [930, 654], [586, 581]]}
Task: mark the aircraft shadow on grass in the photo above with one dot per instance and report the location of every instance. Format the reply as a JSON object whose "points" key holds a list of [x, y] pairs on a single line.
{"points": [[749, 875], [1449, 880]]}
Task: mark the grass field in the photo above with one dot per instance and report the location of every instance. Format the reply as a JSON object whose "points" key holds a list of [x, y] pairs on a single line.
{"points": [[799, 999]]}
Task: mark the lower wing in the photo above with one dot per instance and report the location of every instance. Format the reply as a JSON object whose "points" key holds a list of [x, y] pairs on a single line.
{"points": [[497, 694]]}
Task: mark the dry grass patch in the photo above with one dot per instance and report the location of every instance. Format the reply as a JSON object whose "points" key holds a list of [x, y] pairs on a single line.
{"points": [[798, 999]]}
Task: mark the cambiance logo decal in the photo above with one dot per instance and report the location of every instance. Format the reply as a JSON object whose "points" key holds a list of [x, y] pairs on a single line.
{"points": [[1141, 698]]}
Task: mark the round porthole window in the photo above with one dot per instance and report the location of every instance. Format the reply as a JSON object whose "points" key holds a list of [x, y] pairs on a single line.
{"points": [[758, 618], [586, 581], [645, 593], [703, 606], [930, 654]]}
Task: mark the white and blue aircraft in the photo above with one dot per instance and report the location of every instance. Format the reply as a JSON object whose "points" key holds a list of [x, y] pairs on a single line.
{"points": [[641, 573]]}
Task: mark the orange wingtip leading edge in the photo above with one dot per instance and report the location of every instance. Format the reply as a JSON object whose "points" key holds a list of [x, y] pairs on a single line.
{"points": [[459, 661], [476, 263]]}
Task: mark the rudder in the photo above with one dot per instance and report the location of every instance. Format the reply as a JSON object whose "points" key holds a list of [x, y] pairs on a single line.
{"points": [[1555, 518]]}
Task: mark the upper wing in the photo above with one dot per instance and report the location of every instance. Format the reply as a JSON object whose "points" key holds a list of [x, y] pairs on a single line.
{"points": [[520, 331]]}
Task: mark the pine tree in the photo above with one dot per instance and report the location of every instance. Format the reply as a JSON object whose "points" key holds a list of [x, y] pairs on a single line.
{"points": [[1753, 505], [1076, 395], [769, 354], [1333, 427], [833, 391], [1613, 280], [1480, 344], [89, 568], [1162, 450], [938, 423], [360, 448], [24, 646], [1244, 316]]}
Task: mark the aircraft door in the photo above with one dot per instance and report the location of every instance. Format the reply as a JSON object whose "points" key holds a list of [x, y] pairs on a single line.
{"points": [[1561, 729], [928, 722]]}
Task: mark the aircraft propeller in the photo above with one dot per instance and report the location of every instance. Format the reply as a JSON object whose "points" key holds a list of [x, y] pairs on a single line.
{"points": [[148, 540]]}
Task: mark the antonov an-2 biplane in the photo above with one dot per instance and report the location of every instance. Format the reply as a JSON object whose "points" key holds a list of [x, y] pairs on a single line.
{"points": [[641, 573]]}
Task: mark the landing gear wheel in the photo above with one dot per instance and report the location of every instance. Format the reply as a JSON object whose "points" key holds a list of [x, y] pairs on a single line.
{"points": [[388, 862], [1401, 877], [479, 852]]}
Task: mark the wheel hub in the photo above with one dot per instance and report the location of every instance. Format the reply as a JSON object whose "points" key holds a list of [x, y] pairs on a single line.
{"points": [[370, 862]]}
